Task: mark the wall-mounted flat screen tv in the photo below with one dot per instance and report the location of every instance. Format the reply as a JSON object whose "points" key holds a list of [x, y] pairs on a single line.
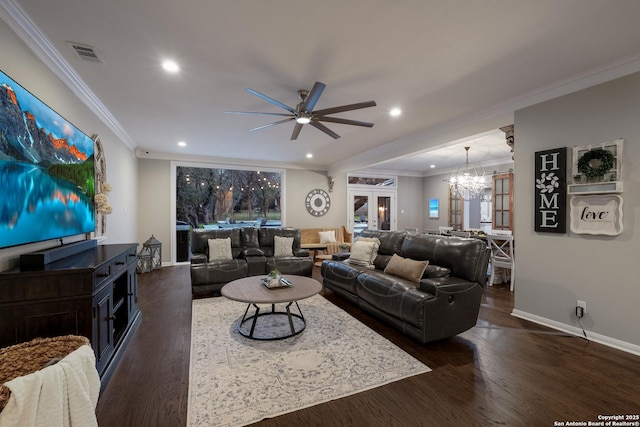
{"points": [[46, 171]]}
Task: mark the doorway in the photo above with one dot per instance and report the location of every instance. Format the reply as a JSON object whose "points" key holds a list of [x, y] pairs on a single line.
{"points": [[373, 209]]}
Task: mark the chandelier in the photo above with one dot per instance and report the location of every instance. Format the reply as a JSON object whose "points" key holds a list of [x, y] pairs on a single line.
{"points": [[467, 183]]}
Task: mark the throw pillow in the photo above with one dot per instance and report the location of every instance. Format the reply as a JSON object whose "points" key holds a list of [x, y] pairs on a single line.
{"points": [[282, 246], [364, 252], [220, 249], [406, 268], [327, 236]]}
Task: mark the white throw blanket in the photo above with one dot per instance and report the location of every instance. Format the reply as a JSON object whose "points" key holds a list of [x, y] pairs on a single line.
{"points": [[64, 394]]}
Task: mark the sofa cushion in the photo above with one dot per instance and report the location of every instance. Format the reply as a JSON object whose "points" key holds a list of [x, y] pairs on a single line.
{"points": [[433, 271], [392, 295], [282, 246], [406, 268], [200, 240], [390, 241], [220, 249], [364, 252], [327, 236]]}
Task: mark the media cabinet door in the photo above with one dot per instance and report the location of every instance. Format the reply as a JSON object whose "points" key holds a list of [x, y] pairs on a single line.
{"points": [[103, 328]]}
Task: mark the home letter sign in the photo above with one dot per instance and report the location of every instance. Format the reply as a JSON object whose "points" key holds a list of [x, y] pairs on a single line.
{"points": [[550, 202]]}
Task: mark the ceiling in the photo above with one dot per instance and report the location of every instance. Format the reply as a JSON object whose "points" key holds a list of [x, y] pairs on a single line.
{"points": [[457, 68]]}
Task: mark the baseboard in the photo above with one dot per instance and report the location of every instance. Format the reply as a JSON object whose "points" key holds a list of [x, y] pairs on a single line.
{"points": [[591, 336]]}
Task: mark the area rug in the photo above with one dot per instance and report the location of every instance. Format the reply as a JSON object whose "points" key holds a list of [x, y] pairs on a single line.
{"points": [[235, 381]]}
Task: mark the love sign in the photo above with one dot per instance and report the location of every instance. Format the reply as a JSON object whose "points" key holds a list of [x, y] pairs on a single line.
{"points": [[597, 214]]}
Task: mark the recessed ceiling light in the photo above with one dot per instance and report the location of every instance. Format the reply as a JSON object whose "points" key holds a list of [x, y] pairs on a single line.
{"points": [[395, 112], [170, 66], [309, 155], [432, 166], [182, 144]]}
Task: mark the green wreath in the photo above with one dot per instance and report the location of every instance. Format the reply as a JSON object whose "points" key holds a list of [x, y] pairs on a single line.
{"points": [[606, 163]]}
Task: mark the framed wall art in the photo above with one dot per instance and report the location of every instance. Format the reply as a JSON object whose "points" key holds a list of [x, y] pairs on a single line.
{"points": [[434, 208]]}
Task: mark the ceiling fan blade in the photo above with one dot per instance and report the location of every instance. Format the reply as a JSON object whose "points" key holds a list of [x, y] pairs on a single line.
{"points": [[325, 129], [313, 96], [272, 124], [296, 131], [271, 100], [343, 108], [343, 121], [257, 112]]}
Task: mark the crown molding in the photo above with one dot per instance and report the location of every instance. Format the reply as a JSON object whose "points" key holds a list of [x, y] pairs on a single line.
{"points": [[13, 14], [489, 118], [142, 153]]}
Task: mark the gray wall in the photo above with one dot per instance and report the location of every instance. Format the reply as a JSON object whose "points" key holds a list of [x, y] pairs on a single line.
{"points": [[411, 203], [553, 271], [155, 190], [17, 61], [437, 186], [154, 201], [298, 183]]}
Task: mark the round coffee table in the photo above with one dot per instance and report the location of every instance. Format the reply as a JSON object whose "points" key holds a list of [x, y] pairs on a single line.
{"points": [[251, 291]]}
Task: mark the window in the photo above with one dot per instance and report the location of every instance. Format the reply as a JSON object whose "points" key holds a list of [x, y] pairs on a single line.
{"points": [[372, 180], [209, 196]]}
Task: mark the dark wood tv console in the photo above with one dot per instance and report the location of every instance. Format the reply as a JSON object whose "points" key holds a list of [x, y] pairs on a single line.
{"points": [[93, 293]]}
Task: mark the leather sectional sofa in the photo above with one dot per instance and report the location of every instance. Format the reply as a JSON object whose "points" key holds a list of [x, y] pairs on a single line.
{"points": [[444, 302], [252, 251]]}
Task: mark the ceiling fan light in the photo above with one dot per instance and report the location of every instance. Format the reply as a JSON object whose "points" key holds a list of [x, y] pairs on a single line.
{"points": [[303, 120]]}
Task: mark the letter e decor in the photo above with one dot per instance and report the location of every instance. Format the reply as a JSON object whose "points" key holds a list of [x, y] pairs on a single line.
{"points": [[550, 202]]}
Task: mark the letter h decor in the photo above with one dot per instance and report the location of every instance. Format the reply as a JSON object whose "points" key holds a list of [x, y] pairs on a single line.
{"points": [[550, 203]]}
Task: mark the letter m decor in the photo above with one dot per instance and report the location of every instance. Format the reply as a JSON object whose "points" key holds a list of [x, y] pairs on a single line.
{"points": [[550, 178]]}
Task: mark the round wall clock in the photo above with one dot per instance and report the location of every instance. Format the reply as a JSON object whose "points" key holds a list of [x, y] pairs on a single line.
{"points": [[317, 202]]}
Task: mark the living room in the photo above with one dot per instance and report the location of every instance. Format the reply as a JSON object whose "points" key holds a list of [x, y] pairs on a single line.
{"points": [[554, 270]]}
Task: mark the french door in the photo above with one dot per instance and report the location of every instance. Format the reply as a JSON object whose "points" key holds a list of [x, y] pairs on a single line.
{"points": [[503, 201], [374, 209]]}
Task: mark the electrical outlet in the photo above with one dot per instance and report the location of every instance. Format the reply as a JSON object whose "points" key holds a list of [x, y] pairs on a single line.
{"points": [[581, 309], [582, 305]]}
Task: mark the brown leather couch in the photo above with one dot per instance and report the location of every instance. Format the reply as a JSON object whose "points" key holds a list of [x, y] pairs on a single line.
{"points": [[443, 304], [253, 255]]}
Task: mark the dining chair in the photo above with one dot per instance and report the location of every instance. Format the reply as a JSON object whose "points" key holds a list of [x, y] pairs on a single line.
{"points": [[502, 256]]}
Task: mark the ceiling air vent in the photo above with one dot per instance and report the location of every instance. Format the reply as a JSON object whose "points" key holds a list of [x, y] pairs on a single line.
{"points": [[86, 52]]}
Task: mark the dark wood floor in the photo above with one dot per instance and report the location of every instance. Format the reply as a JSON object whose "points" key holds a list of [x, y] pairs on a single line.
{"points": [[506, 372]]}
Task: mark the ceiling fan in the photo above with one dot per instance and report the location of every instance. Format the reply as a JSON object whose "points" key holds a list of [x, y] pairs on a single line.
{"points": [[304, 114]]}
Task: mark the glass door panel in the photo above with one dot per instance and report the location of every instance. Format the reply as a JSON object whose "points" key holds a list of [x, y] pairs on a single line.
{"points": [[503, 202]]}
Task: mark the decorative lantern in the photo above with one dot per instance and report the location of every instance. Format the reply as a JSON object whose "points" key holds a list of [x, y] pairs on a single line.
{"points": [[154, 248], [144, 261]]}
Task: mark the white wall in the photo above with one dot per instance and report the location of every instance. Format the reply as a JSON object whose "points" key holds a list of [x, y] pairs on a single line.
{"points": [[554, 271], [17, 61]]}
